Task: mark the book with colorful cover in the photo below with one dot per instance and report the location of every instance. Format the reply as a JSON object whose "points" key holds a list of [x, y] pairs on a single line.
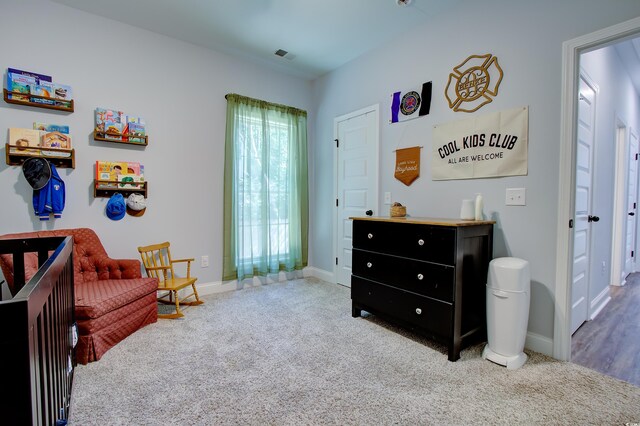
{"points": [[51, 127], [43, 88], [18, 83], [110, 170], [63, 94], [136, 132], [104, 116], [129, 180], [113, 130], [54, 136], [38, 77], [127, 121], [55, 140], [21, 139]]}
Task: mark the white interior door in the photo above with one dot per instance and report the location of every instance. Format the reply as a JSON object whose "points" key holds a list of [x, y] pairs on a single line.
{"points": [[632, 199], [582, 225], [356, 165]]}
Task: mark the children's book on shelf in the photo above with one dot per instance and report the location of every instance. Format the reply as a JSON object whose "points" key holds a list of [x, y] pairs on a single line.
{"points": [[106, 118], [128, 181], [18, 83], [51, 127], [113, 171], [44, 88], [136, 132], [56, 140], [37, 76], [20, 140], [113, 130], [135, 168], [63, 94], [54, 136], [23, 81], [129, 121], [109, 170]]}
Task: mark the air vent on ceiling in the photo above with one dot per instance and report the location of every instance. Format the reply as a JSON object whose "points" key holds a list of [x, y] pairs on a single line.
{"points": [[281, 53]]}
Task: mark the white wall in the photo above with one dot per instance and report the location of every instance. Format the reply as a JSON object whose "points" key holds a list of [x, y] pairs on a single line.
{"points": [[617, 99], [527, 38], [176, 87]]}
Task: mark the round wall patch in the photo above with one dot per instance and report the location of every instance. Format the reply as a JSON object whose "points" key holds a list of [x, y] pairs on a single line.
{"points": [[410, 103]]}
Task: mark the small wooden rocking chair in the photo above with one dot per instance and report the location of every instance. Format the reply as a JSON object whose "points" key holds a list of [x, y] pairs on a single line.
{"points": [[158, 263]]}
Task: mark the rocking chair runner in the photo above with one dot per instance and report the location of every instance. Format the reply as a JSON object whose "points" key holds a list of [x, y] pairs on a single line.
{"points": [[158, 263]]}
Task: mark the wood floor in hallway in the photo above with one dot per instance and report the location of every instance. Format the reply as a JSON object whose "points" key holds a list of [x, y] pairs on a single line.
{"points": [[610, 343]]}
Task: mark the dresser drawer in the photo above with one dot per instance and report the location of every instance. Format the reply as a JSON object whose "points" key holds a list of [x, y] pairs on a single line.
{"points": [[417, 241], [428, 279], [427, 314]]}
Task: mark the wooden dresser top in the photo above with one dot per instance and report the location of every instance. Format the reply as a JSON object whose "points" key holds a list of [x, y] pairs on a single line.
{"points": [[426, 220]]}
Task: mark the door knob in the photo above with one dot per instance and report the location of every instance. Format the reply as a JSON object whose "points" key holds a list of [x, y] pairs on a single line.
{"points": [[593, 218], [369, 212], [632, 214]]}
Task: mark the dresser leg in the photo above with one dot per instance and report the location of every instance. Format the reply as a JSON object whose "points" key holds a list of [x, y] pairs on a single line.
{"points": [[355, 312], [454, 352]]}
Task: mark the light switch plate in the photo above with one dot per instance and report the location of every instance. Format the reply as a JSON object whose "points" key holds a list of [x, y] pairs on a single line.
{"points": [[387, 198], [516, 197]]}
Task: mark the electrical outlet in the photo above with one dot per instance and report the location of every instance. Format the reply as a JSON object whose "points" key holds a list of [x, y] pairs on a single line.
{"points": [[204, 261], [515, 197], [604, 267], [387, 198]]}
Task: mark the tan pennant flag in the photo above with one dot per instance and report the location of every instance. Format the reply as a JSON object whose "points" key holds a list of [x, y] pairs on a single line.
{"points": [[407, 165]]}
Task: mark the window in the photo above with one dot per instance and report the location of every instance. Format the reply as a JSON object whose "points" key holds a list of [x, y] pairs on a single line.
{"points": [[266, 189]]}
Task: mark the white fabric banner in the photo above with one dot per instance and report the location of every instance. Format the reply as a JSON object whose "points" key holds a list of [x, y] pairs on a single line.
{"points": [[487, 146]]}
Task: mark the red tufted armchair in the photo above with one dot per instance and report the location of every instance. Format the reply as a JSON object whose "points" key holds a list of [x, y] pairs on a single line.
{"points": [[112, 299]]}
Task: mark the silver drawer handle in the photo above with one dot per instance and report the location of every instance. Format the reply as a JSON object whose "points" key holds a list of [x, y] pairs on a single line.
{"points": [[369, 264], [420, 242], [370, 236], [418, 311], [420, 277]]}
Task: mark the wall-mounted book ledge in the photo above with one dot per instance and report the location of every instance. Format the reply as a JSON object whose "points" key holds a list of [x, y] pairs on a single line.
{"points": [[18, 98], [106, 188], [16, 155], [128, 138]]}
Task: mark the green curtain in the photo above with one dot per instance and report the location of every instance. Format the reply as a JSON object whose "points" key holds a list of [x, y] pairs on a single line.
{"points": [[266, 196]]}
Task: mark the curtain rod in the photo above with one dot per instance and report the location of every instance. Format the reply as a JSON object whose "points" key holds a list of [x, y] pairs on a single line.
{"points": [[298, 110]]}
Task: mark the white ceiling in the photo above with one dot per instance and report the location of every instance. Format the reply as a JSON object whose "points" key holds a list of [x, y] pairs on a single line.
{"points": [[320, 35]]}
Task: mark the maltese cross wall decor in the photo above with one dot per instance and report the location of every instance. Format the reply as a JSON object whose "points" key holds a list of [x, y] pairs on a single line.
{"points": [[473, 83]]}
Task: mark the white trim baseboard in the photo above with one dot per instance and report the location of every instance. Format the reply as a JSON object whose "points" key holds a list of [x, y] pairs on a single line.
{"points": [[599, 302], [321, 274], [539, 343], [215, 287]]}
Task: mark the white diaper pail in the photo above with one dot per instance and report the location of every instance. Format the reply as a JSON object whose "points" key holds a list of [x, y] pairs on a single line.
{"points": [[508, 295]]}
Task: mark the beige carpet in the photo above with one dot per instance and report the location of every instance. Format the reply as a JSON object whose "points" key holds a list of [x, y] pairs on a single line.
{"points": [[290, 354]]}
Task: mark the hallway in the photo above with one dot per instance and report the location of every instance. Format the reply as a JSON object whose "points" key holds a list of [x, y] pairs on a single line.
{"points": [[610, 344]]}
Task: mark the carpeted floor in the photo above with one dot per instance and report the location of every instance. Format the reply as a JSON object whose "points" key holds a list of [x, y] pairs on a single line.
{"points": [[290, 354]]}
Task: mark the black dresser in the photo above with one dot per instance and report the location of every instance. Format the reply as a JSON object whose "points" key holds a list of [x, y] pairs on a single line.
{"points": [[428, 275]]}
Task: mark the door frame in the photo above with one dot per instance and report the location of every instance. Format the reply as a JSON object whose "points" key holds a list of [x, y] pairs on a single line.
{"points": [[571, 51], [621, 189], [375, 108]]}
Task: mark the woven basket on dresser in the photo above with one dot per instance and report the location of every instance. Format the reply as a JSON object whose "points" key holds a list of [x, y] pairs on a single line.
{"points": [[398, 211]]}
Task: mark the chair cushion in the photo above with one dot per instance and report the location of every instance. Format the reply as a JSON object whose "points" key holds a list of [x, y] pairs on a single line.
{"points": [[94, 299]]}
